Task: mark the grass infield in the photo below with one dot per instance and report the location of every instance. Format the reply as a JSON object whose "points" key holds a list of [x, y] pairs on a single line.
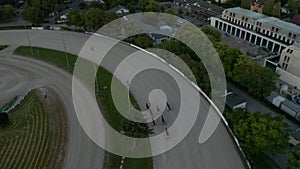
{"points": [[104, 99]]}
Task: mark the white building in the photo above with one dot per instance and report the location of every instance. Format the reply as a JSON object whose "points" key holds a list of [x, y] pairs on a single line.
{"points": [[289, 65], [257, 28]]}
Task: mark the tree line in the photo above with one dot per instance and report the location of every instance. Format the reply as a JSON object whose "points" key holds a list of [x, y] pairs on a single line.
{"points": [[249, 74]]}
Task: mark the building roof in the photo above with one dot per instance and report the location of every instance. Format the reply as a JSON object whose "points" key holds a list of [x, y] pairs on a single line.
{"points": [[291, 105], [234, 100], [286, 27], [117, 9], [247, 13], [296, 45], [296, 19]]}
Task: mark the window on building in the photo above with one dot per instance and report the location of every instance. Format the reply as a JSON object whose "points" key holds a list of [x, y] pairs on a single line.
{"points": [[291, 51], [294, 36], [243, 18], [283, 39], [288, 50], [234, 15], [277, 29], [283, 65], [272, 28], [246, 19], [290, 34], [288, 59], [285, 58]]}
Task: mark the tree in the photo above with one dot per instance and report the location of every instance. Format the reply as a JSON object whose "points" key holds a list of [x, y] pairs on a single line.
{"points": [[4, 120], [293, 6], [37, 10], [294, 159], [143, 41], [6, 12], [259, 133], [246, 4], [136, 130], [94, 19], [73, 18], [180, 11], [268, 7], [171, 11], [276, 11], [214, 33], [149, 6], [228, 57], [258, 80]]}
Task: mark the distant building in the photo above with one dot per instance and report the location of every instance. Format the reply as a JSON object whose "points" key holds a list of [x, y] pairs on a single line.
{"points": [[289, 65], [285, 9], [296, 19], [119, 10], [89, 1], [257, 6], [158, 38], [269, 32], [234, 101]]}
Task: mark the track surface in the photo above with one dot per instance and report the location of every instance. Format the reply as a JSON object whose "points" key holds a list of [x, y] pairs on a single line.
{"points": [[218, 152]]}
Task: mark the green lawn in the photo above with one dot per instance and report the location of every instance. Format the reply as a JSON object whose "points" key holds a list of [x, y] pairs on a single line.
{"points": [[3, 47], [104, 99]]}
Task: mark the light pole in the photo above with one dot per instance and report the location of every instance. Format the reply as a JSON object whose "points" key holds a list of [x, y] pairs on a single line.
{"points": [[28, 38], [95, 70], [66, 55]]}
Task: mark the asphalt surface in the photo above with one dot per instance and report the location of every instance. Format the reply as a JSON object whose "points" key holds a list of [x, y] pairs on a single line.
{"points": [[217, 152]]}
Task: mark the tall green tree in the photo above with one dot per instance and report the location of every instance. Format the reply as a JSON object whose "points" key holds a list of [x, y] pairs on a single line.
{"points": [[293, 6], [246, 4], [73, 18], [276, 11], [94, 19], [258, 80], [268, 7], [171, 11], [37, 10], [6, 12], [294, 159], [149, 6], [259, 133]]}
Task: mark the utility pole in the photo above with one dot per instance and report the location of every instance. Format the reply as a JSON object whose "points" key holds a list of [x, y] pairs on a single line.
{"points": [[95, 70], [66, 55], [28, 38]]}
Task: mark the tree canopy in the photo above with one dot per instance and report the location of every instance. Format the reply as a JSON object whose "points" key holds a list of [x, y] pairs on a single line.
{"points": [[149, 6], [37, 10], [6, 12], [257, 79], [259, 133], [246, 4]]}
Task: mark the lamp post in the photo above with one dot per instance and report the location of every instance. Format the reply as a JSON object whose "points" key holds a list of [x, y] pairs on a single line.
{"points": [[28, 38]]}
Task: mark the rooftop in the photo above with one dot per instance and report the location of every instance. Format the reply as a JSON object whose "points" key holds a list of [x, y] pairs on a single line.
{"points": [[234, 100], [248, 13], [281, 24]]}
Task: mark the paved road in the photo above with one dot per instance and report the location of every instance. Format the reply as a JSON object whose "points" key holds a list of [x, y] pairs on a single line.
{"points": [[253, 105], [218, 152]]}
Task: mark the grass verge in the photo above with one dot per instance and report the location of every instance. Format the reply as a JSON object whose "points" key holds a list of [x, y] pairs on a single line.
{"points": [[3, 47], [104, 99]]}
